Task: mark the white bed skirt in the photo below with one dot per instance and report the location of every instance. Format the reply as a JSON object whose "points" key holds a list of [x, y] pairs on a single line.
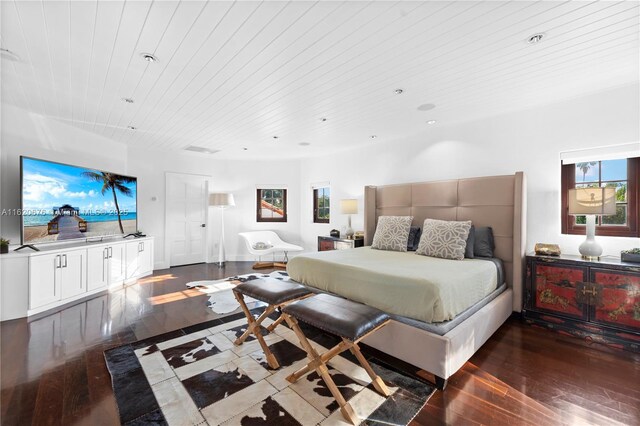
{"points": [[443, 355]]}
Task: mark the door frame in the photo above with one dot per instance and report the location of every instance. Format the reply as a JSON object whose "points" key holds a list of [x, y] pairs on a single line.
{"points": [[167, 247]]}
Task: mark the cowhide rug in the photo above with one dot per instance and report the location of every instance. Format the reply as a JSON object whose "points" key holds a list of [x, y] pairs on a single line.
{"points": [[221, 300], [196, 376]]}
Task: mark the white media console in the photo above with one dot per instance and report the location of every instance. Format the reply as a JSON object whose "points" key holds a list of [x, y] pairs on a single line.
{"points": [[36, 281]]}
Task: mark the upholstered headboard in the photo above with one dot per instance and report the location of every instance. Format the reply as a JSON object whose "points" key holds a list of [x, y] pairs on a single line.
{"points": [[496, 201]]}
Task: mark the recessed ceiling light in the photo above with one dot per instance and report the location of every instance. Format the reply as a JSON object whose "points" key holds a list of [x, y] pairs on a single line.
{"points": [[373, 136], [536, 38], [304, 144], [398, 91], [9, 55], [149, 57], [132, 128], [127, 100], [431, 122]]}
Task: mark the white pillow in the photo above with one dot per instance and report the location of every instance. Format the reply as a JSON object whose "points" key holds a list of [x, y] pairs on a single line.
{"points": [[392, 233], [444, 239]]}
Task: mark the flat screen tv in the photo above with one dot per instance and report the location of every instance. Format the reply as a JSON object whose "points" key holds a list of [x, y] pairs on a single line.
{"points": [[61, 202]]}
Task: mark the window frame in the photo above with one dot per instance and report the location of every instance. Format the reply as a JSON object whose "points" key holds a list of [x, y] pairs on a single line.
{"points": [[259, 217], [316, 207], [631, 229]]}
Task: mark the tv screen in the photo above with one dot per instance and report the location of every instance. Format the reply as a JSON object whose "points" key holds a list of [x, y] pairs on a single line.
{"points": [[63, 202]]}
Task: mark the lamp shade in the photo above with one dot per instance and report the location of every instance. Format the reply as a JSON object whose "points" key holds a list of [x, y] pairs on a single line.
{"points": [[221, 199], [349, 206], [601, 201]]}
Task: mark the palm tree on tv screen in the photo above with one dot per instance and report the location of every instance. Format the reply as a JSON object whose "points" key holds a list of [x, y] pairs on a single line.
{"points": [[115, 183]]}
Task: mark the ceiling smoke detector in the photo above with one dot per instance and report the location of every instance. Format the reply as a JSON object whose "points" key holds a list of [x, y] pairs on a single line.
{"points": [[9, 55], [127, 100], [132, 128], [276, 137], [398, 91], [373, 136], [149, 57], [536, 38], [201, 149], [323, 119]]}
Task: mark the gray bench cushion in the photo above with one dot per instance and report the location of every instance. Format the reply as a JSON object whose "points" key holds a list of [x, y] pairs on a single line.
{"points": [[336, 315], [272, 291]]}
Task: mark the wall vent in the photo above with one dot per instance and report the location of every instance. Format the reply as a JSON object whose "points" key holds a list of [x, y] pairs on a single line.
{"points": [[201, 149]]}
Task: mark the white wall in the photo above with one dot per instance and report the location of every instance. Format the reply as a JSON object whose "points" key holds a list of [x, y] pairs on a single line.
{"points": [[237, 177], [530, 141]]}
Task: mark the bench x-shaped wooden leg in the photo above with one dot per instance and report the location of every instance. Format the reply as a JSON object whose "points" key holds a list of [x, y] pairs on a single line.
{"points": [[318, 363], [253, 327]]}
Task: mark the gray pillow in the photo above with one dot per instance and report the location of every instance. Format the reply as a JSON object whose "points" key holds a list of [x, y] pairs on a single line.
{"points": [[468, 251], [445, 239], [392, 233], [414, 239], [484, 244]]}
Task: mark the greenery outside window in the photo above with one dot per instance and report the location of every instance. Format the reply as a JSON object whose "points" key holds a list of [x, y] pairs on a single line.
{"points": [[271, 205], [321, 205], [620, 174]]}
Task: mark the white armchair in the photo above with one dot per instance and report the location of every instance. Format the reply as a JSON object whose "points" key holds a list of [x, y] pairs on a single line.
{"points": [[261, 243]]}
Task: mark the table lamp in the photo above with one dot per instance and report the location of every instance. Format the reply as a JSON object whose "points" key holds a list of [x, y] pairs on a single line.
{"points": [[349, 206], [591, 202], [221, 200]]}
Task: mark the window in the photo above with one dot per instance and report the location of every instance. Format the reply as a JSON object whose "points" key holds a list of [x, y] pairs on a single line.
{"points": [[620, 174], [271, 205], [321, 205]]}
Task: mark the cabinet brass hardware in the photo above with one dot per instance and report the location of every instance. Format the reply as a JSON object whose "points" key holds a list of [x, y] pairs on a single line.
{"points": [[592, 291]]}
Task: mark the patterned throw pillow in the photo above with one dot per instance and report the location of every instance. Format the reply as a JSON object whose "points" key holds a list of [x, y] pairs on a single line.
{"points": [[392, 233], [445, 239]]}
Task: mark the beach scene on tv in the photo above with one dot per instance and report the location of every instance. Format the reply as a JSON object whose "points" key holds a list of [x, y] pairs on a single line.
{"points": [[64, 202]]}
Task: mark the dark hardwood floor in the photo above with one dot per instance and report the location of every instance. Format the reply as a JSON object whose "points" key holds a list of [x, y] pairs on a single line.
{"points": [[53, 371]]}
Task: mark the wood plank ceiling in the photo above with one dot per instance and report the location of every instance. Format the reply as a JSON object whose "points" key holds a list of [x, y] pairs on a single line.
{"points": [[233, 75]]}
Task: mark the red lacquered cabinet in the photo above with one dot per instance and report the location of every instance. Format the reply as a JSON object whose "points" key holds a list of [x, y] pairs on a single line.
{"points": [[595, 300]]}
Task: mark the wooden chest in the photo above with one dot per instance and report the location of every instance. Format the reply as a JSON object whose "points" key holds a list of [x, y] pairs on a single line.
{"points": [[596, 300]]}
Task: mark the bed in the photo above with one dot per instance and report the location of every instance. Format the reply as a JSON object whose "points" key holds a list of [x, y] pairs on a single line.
{"points": [[434, 334]]}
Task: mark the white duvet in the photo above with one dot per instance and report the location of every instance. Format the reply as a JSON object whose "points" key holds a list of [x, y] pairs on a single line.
{"points": [[419, 287]]}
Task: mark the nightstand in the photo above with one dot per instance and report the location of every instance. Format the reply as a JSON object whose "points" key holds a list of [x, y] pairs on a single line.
{"points": [[596, 300], [333, 243]]}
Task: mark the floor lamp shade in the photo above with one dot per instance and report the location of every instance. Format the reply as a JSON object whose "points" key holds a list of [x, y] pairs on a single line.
{"points": [[221, 200], [591, 202], [349, 206]]}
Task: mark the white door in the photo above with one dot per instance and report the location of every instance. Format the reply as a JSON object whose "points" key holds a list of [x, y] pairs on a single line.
{"points": [[44, 278], [72, 274], [186, 215], [97, 268]]}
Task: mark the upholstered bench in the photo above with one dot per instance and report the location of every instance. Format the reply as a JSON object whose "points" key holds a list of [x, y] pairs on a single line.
{"points": [[275, 293], [349, 320]]}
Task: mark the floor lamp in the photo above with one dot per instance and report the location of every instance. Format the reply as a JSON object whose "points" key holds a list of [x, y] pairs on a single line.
{"points": [[591, 202], [221, 200]]}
